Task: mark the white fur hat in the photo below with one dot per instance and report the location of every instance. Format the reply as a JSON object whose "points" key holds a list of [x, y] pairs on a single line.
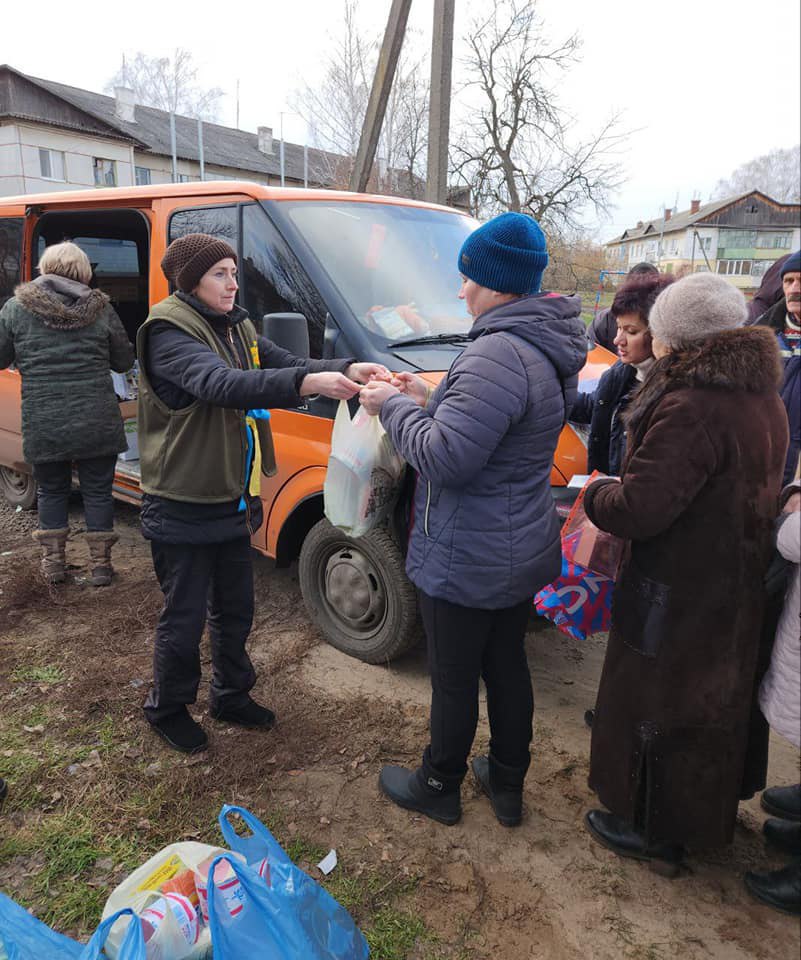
{"points": [[696, 307]]}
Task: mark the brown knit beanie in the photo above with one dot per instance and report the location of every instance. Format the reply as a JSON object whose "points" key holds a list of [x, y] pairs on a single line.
{"points": [[188, 258]]}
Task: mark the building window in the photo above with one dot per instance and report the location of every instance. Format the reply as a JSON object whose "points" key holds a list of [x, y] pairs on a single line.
{"points": [[737, 268], [187, 178], [51, 164], [105, 172], [774, 241], [142, 175]]}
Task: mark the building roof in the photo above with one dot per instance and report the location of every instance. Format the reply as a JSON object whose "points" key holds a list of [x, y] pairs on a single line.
{"points": [[222, 146], [686, 218]]}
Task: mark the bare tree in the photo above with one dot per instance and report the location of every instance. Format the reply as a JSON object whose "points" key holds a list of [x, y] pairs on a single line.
{"points": [[335, 109], [168, 83], [778, 174], [514, 151]]}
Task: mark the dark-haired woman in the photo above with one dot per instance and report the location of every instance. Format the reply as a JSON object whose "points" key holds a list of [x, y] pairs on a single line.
{"points": [[603, 408]]}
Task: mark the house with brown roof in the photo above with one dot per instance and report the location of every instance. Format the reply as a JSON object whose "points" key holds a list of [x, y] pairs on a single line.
{"points": [[739, 237]]}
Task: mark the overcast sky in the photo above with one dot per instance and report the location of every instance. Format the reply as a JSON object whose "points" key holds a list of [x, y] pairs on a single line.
{"points": [[705, 86]]}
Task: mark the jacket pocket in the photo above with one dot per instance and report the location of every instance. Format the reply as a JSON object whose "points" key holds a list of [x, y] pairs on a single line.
{"points": [[640, 612]]}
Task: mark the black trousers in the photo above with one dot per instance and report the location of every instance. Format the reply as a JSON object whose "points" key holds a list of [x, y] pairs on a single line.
{"points": [[54, 483], [465, 643], [207, 582]]}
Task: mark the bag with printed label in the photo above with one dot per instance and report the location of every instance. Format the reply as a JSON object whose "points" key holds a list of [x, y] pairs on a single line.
{"points": [[364, 473], [282, 911]]}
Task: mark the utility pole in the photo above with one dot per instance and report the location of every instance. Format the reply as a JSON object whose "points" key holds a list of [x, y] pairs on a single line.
{"points": [[382, 84], [439, 113]]}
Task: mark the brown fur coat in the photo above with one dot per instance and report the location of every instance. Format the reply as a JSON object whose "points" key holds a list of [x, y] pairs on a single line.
{"points": [[697, 499]]}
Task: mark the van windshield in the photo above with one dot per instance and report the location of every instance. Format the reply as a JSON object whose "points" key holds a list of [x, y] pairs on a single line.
{"points": [[396, 266]]}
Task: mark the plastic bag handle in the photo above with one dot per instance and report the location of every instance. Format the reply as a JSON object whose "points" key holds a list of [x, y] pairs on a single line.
{"points": [[247, 877], [132, 946], [256, 827]]}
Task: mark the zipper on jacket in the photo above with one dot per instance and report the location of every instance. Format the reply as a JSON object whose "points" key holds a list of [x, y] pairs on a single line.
{"points": [[428, 505]]}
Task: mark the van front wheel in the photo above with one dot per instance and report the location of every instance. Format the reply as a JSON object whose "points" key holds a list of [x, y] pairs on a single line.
{"points": [[18, 488], [356, 591]]}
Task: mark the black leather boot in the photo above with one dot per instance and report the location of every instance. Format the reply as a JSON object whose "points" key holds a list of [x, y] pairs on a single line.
{"points": [[181, 732], [783, 835], [780, 889], [414, 790], [250, 714], [504, 787], [784, 802], [620, 837]]}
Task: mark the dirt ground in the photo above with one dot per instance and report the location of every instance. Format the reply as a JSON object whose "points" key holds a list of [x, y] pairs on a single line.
{"points": [[74, 669]]}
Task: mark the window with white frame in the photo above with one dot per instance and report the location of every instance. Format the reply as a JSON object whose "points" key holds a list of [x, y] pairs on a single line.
{"points": [[51, 164], [105, 172], [142, 175], [738, 268]]}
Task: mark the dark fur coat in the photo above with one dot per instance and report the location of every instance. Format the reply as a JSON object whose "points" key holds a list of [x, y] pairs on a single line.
{"points": [[65, 339], [697, 500]]}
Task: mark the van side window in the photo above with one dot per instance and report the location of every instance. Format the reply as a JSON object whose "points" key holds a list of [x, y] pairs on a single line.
{"points": [[273, 280], [217, 221], [10, 256]]}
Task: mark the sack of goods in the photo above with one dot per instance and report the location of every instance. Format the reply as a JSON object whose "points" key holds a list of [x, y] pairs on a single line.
{"points": [[192, 901], [364, 473]]}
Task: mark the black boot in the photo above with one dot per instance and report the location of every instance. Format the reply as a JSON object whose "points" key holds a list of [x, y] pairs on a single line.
{"points": [[620, 837], [250, 714], [414, 790], [3, 792], [784, 836], [181, 732], [784, 802], [780, 889], [504, 787]]}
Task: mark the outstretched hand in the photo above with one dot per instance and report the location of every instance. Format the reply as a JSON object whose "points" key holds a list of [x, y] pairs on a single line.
{"points": [[334, 385], [364, 372], [412, 386], [374, 395]]}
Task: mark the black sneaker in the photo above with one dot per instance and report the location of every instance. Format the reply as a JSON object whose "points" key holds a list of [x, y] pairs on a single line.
{"points": [[411, 790], [181, 732], [784, 802], [251, 714], [783, 835], [780, 889]]}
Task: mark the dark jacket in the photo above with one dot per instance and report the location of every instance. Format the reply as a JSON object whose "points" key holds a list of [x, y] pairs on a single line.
{"points": [[791, 383], [603, 409], [485, 530], [770, 290], [181, 370], [603, 329], [698, 498], [65, 339]]}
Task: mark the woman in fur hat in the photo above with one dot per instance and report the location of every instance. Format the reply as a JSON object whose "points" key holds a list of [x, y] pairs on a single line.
{"points": [[65, 338], [697, 498]]}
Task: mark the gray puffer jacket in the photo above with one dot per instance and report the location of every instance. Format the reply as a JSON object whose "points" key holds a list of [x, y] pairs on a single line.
{"points": [[64, 339], [485, 531]]}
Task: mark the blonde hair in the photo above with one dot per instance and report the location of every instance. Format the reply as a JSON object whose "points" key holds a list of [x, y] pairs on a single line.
{"points": [[66, 260]]}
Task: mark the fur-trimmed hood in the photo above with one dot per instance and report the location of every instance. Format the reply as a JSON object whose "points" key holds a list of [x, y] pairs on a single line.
{"points": [[746, 358], [61, 303]]}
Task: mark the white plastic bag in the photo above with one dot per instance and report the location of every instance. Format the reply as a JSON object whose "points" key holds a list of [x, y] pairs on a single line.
{"points": [[364, 473], [142, 888]]}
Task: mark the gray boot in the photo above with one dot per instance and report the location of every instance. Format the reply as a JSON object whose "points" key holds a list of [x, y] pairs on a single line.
{"points": [[100, 544], [54, 547]]}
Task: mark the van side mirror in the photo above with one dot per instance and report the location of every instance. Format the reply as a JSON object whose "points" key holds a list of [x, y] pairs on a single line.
{"points": [[287, 330]]}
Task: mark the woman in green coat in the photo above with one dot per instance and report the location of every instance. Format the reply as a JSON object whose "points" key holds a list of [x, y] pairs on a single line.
{"points": [[65, 338]]}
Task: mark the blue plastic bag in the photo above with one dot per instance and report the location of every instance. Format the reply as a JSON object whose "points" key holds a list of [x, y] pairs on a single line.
{"points": [[131, 948], [26, 938], [286, 915]]}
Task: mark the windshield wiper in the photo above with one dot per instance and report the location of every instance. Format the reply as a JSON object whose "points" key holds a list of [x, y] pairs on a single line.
{"points": [[431, 338]]}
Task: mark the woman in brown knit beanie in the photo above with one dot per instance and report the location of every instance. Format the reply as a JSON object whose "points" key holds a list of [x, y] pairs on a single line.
{"points": [[202, 367]]}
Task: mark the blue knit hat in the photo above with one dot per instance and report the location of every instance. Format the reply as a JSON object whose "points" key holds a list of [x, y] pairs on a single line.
{"points": [[792, 264], [508, 254]]}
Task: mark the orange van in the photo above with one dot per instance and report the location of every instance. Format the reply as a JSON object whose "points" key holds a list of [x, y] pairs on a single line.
{"points": [[322, 273]]}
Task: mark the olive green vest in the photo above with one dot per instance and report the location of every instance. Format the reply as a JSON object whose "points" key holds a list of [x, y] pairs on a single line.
{"points": [[198, 453]]}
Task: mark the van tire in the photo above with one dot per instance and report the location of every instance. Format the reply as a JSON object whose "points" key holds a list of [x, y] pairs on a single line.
{"points": [[19, 489], [357, 592]]}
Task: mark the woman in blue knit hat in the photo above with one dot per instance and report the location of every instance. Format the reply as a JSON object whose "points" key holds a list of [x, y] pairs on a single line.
{"points": [[485, 536]]}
